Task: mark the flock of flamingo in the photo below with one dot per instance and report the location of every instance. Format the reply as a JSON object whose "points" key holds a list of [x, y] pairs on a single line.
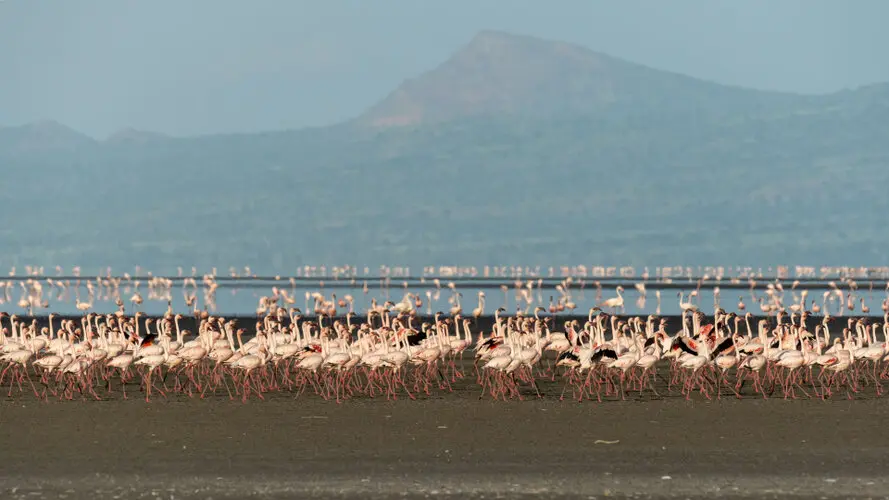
{"points": [[37, 291], [392, 352]]}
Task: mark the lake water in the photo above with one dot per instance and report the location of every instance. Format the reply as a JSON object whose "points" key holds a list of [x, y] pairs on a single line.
{"points": [[241, 297]]}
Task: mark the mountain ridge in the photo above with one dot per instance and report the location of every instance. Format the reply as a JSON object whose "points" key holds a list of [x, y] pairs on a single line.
{"points": [[498, 72], [405, 105], [678, 172]]}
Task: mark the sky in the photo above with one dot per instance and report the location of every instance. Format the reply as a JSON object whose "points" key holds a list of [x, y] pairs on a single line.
{"points": [[218, 66]]}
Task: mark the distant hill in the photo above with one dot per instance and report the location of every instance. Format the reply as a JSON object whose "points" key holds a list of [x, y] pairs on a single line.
{"points": [[43, 136], [515, 150], [503, 74]]}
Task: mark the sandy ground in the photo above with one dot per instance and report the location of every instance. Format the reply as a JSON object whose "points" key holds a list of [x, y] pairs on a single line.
{"points": [[444, 445]]}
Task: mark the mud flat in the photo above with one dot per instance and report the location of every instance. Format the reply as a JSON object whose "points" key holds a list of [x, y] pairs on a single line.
{"points": [[450, 446]]}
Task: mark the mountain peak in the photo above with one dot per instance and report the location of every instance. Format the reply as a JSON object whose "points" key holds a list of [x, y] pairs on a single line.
{"points": [[495, 42], [504, 74], [501, 73]]}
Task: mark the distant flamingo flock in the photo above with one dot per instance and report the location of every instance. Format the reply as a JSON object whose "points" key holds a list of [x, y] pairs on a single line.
{"points": [[392, 352]]}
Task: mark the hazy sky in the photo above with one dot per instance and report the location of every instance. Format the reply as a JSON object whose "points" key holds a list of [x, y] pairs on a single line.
{"points": [[189, 67]]}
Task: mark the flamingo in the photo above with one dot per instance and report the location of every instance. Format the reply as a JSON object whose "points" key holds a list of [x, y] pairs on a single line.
{"points": [[615, 302]]}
